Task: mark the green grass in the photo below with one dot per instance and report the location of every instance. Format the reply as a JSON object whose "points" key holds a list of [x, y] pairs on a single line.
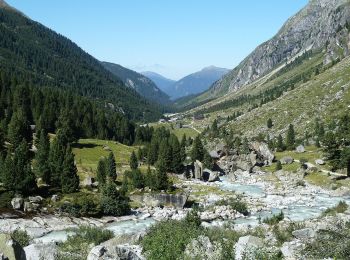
{"points": [[89, 151], [179, 132]]}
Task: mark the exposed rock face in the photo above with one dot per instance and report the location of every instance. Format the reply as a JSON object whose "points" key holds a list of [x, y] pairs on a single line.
{"points": [[210, 176], [263, 152], [110, 251], [10, 249], [155, 200], [321, 24], [41, 251], [245, 245], [198, 170], [300, 149]]}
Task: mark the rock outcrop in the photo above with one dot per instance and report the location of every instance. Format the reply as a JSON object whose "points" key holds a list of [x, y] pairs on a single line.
{"points": [[10, 249], [321, 24], [156, 200]]}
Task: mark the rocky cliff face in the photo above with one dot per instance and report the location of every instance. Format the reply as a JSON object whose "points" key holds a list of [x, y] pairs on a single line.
{"points": [[322, 24]]}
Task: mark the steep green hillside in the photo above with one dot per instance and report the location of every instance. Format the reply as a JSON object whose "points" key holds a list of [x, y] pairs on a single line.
{"points": [[35, 54]]}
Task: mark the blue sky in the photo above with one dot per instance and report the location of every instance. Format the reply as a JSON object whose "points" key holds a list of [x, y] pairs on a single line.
{"points": [[171, 37]]}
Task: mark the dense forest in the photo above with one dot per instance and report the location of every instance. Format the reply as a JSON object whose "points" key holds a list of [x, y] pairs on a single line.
{"points": [[35, 54]]}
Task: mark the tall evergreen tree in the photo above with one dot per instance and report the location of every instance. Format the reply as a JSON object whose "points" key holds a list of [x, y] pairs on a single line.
{"points": [[162, 180], [19, 129], [111, 167], [269, 123], [102, 171], [177, 157], [69, 176], [290, 139], [133, 161], [197, 152], [42, 164], [165, 154], [114, 203], [280, 145]]}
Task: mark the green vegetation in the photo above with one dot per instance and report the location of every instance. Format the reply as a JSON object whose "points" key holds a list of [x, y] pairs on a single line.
{"points": [[77, 246], [275, 219], [341, 207], [21, 237], [236, 204], [333, 244], [285, 234]]}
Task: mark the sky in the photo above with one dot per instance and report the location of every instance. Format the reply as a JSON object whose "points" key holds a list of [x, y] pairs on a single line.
{"points": [[171, 37]]}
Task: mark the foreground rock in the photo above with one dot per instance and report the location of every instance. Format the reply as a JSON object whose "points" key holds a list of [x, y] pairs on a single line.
{"points": [[10, 249], [246, 245], [202, 248], [41, 251]]}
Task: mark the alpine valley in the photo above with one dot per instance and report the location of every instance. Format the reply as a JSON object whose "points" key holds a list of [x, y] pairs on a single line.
{"points": [[98, 161]]}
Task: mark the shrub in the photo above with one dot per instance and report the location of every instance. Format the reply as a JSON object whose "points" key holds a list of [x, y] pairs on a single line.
{"points": [[341, 207], [236, 204], [168, 239], [278, 166], [285, 234], [21, 237], [274, 219], [80, 243]]}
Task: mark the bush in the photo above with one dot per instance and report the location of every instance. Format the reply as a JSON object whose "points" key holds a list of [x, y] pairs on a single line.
{"points": [[236, 204], [340, 208], [21, 237], [84, 205], [330, 244], [285, 234], [81, 242], [168, 239], [275, 219]]}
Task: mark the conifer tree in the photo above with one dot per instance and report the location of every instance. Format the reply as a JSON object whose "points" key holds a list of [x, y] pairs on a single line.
{"points": [[177, 157], [269, 123], [208, 161], [102, 171], [165, 154], [19, 129], [197, 152], [69, 176], [56, 158], [280, 144], [114, 203], [111, 167], [133, 161], [42, 165], [162, 180], [290, 139]]}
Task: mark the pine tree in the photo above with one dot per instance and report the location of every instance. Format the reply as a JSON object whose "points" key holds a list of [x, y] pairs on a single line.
{"points": [[280, 144], [137, 178], [153, 152], [197, 152], [57, 153], [102, 171], [165, 154], [278, 166], [245, 146], [133, 161], [19, 129], [42, 165], [69, 177], [208, 161], [111, 167], [114, 203], [23, 177], [162, 180], [177, 157], [269, 123], [290, 139]]}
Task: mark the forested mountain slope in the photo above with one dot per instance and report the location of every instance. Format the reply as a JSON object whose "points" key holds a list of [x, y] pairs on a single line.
{"points": [[143, 85], [35, 54]]}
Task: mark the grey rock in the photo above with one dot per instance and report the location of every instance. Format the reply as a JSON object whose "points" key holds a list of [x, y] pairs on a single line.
{"points": [[55, 198], [17, 203], [156, 200], [300, 149], [11, 249], [287, 160], [202, 248], [96, 252], [46, 251], [263, 152], [88, 181], [35, 199], [320, 162], [30, 207], [198, 170], [290, 250], [247, 244], [305, 233], [210, 176]]}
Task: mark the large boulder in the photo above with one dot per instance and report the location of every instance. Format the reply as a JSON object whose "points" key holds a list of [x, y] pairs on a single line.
{"points": [[290, 250], [198, 170], [263, 152], [41, 251], [156, 200], [17, 203], [123, 252], [287, 160], [10, 249], [35, 199], [88, 181], [320, 162], [304, 234], [202, 248], [245, 245], [300, 149], [210, 176], [244, 163]]}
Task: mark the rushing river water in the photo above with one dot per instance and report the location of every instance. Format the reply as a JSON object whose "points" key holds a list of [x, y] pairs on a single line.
{"points": [[293, 207]]}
